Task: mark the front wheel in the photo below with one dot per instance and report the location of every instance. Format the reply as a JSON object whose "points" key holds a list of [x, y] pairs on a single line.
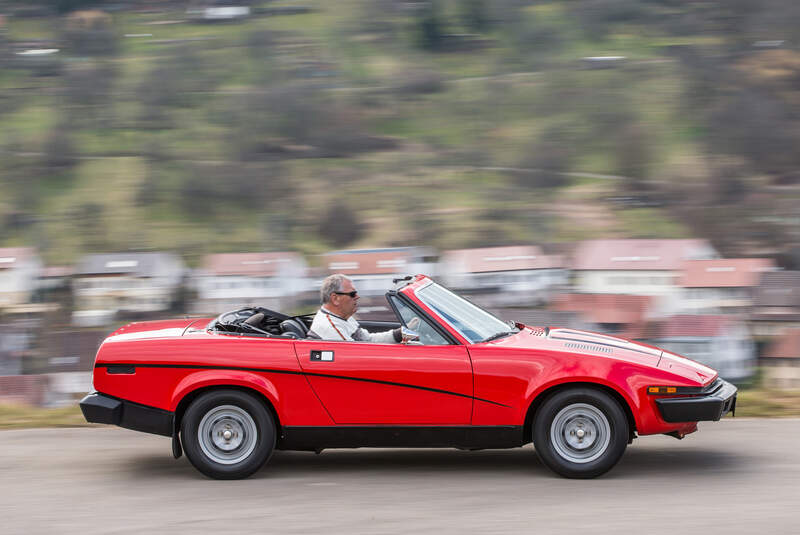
{"points": [[228, 434], [580, 432]]}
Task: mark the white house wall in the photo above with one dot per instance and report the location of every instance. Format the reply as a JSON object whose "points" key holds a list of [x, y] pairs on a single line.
{"points": [[219, 293], [732, 353], [127, 293], [17, 283], [289, 281], [715, 299], [633, 282]]}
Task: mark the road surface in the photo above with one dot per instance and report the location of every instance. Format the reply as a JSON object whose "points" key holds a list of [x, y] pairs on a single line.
{"points": [[733, 476]]}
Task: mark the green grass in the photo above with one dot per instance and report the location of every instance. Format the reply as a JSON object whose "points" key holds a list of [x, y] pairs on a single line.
{"points": [[768, 403], [110, 182], [20, 417], [31, 124], [650, 223], [23, 29]]}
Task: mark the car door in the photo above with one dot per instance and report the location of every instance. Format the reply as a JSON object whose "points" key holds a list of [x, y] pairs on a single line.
{"points": [[363, 383]]}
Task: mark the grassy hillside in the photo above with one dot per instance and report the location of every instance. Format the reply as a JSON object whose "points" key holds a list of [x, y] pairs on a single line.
{"points": [[450, 124]]}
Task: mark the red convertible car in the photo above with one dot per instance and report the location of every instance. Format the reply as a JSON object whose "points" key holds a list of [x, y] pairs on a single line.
{"points": [[230, 390]]}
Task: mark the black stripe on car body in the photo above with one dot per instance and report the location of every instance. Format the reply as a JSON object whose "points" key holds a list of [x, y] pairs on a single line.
{"points": [[307, 374]]}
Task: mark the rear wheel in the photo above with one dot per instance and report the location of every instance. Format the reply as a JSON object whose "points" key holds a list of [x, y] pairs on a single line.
{"points": [[580, 432], [228, 434]]}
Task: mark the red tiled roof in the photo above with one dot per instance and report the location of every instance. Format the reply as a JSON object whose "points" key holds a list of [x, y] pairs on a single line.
{"points": [[643, 330], [786, 346], [658, 255], [252, 264], [725, 273], [490, 259], [9, 256], [57, 271], [606, 308], [385, 262], [693, 325]]}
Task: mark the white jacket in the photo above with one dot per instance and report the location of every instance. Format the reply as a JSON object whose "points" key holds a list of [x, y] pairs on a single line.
{"points": [[329, 326]]}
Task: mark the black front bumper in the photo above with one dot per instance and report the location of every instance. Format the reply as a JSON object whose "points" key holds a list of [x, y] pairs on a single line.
{"points": [[709, 406], [103, 409]]}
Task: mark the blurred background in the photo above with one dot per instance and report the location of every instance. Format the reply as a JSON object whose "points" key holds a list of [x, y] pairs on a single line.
{"points": [[623, 166]]}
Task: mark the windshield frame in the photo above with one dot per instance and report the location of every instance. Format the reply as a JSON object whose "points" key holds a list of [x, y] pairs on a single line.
{"points": [[423, 312], [444, 321]]}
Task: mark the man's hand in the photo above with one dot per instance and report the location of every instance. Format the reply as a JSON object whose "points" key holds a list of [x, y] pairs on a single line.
{"points": [[411, 326]]}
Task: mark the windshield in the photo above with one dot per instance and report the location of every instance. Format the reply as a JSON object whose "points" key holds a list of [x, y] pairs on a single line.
{"points": [[472, 322]]}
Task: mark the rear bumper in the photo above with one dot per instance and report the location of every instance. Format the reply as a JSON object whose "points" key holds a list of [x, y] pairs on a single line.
{"points": [[103, 409], [710, 406]]}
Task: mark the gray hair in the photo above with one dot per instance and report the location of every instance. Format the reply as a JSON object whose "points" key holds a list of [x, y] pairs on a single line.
{"points": [[332, 283]]}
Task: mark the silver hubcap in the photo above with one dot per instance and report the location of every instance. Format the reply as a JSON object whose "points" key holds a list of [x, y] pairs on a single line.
{"points": [[227, 434], [580, 433]]}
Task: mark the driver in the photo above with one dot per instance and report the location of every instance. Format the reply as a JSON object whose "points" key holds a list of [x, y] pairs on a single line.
{"points": [[335, 320]]}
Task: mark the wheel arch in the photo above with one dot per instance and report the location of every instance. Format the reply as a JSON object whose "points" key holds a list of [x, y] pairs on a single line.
{"points": [[530, 416], [190, 396]]}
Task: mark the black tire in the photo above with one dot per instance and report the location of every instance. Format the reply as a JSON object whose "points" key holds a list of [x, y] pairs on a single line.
{"points": [[228, 434], [580, 432]]}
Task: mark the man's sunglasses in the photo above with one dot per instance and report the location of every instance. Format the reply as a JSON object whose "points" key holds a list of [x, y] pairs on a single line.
{"points": [[352, 294]]}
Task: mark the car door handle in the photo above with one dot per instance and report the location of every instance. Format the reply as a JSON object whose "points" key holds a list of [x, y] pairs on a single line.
{"points": [[321, 356]]}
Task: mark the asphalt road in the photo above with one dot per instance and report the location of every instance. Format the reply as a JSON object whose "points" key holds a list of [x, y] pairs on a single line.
{"points": [[733, 476]]}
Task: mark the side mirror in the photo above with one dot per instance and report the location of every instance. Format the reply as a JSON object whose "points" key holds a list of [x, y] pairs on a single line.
{"points": [[408, 335]]}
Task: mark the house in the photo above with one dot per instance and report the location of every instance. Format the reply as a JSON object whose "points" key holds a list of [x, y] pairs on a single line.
{"points": [[24, 389], [18, 341], [14, 345], [721, 285], [214, 13], [781, 361], [514, 275], [20, 268], [776, 305], [721, 342], [232, 280], [611, 313], [107, 284], [65, 388], [537, 317], [636, 267], [54, 286], [66, 358], [373, 270], [67, 350], [54, 278]]}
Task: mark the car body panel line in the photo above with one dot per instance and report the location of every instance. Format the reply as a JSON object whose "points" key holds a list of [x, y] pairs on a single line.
{"points": [[306, 374]]}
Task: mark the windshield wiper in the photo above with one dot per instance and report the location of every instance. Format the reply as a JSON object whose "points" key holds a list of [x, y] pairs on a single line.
{"points": [[501, 334]]}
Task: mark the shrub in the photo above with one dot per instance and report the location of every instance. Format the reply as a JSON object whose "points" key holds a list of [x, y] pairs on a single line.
{"points": [[59, 150], [340, 225], [90, 33]]}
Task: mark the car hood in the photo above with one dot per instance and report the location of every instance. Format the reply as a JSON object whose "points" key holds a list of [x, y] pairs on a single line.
{"points": [[687, 368], [152, 329], [577, 341]]}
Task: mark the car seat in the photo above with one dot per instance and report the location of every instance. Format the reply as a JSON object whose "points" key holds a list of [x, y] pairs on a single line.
{"points": [[294, 327]]}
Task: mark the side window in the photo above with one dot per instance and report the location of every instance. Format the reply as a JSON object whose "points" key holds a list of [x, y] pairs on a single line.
{"points": [[427, 334]]}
